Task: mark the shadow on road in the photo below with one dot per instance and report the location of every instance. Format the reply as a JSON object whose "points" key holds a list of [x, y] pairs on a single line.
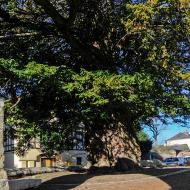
{"points": [[65, 182], [178, 181]]}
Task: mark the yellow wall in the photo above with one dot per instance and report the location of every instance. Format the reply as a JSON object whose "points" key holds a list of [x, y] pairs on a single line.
{"points": [[32, 154]]}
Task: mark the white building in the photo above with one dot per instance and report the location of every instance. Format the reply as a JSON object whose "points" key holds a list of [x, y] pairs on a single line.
{"points": [[179, 139], [34, 157], [180, 143]]}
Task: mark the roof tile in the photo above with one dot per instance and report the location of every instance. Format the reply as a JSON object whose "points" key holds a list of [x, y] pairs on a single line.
{"points": [[184, 135]]}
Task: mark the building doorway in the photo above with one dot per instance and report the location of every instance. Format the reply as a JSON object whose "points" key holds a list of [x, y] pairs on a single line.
{"points": [[48, 162]]}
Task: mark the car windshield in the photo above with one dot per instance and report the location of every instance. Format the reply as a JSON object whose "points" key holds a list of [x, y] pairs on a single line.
{"points": [[168, 160], [171, 159]]}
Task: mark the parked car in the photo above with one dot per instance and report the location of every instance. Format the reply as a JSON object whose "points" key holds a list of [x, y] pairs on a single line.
{"points": [[155, 163], [187, 160], [175, 161]]}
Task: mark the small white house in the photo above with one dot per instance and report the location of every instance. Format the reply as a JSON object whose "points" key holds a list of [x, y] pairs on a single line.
{"points": [[179, 139], [180, 143]]}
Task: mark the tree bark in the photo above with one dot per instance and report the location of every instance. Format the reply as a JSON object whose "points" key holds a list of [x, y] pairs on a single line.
{"points": [[114, 147]]}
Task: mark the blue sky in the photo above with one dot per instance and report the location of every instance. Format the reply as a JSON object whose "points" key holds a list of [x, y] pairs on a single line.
{"points": [[169, 131]]}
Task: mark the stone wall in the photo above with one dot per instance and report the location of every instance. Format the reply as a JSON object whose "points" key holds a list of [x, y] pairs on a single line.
{"points": [[70, 157], [3, 175], [4, 184], [22, 184]]}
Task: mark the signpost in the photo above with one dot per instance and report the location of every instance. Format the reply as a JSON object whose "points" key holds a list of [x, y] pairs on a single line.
{"points": [[3, 175]]}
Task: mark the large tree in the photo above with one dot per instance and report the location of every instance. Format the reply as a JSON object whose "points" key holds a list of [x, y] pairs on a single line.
{"points": [[108, 65]]}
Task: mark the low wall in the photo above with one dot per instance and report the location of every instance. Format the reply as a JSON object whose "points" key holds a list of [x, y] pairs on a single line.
{"points": [[22, 184], [19, 184], [4, 184], [31, 171]]}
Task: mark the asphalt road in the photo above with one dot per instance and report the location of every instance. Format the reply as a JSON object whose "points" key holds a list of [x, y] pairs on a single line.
{"points": [[133, 181]]}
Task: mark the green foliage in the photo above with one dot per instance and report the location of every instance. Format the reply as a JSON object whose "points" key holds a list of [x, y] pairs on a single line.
{"points": [[33, 69], [12, 6], [142, 136], [145, 142], [98, 64], [101, 87]]}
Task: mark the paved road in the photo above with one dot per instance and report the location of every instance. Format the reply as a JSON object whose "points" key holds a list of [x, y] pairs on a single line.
{"points": [[176, 181]]}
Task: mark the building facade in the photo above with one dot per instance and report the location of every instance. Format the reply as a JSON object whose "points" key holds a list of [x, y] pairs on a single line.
{"points": [[180, 143], [179, 139], [34, 157]]}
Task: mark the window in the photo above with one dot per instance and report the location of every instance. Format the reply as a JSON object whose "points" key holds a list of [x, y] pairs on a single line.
{"points": [[24, 164], [79, 161], [176, 159], [78, 140], [9, 145], [34, 143]]}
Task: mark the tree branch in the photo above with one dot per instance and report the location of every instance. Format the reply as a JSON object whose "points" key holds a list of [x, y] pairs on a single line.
{"points": [[73, 10], [60, 25], [60, 21], [17, 102], [15, 22]]}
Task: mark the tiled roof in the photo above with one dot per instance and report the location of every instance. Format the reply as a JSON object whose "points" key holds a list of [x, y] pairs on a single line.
{"points": [[184, 135]]}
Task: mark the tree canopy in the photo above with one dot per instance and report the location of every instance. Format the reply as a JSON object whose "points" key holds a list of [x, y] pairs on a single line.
{"points": [[95, 62]]}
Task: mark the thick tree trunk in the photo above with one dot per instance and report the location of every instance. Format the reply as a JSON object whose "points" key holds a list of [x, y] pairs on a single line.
{"points": [[115, 147]]}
